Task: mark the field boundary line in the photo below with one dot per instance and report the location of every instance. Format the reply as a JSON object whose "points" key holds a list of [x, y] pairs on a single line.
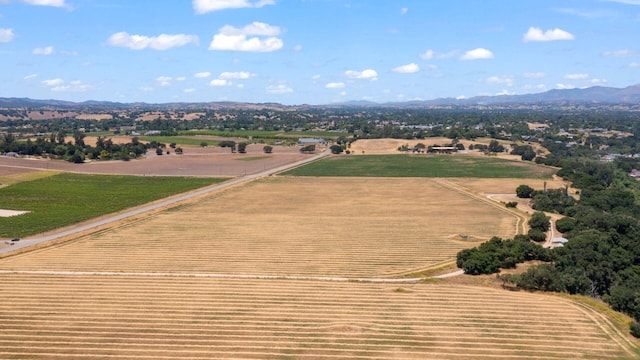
{"points": [[607, 327], [214, 276], [520, 219]]}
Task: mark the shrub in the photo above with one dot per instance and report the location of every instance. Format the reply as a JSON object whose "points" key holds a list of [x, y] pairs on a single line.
{"points": [[511, 204], [635, 329]]}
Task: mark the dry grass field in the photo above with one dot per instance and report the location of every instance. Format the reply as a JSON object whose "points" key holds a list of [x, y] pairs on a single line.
{"points": [[137, 317], [353, 227], [206, 280]]}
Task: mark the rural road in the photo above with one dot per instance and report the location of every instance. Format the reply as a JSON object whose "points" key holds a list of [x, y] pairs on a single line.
{"points": [[35, 240]]}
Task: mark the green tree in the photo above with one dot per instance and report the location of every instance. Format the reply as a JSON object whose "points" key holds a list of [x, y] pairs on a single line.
{"points": [[335, 149], [539, 221], [524, 191], [268, 149], [242, 147]]}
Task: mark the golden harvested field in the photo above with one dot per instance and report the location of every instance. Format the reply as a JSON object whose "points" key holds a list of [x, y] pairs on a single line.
{"points": [[99, 317], [197, 282], [353, 227]]}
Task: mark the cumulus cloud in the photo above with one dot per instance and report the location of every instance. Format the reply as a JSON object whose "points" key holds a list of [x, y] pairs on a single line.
{"points": [[477, 54], [634, 65], [30, 77], [431, 54], [236, 75], [404, 10], [48, 50], [59, 85], [220, 82], [565, 86], [576, 76], [6, 35], [407, 69], [264, 38], [536, 34], [160, 42], [205, 6], [334, 85], [52, 82], [202, 75], [164, 80], [364, 74], [54, 3], [279, 89]]}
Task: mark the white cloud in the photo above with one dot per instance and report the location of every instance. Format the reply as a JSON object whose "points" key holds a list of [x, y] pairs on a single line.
{"points": [[202, 75], [576, 76], [477, 54], [364, 74], [52, 82], [534, 75], [430, 54], [43, 51], [54, 3], [565, 86], [629, 2], [73, 86], [236, 75], [205, 6], [501, 80], [407, 69], [6, 35], [536, 34], [620, 53], [235, 39], [30, 77], [334, 85], [598, 81], [160, 42], [634, 65], [181, 78], [59, 85], [404, 10], [220, 82], [164, 80], [189, 90], [279, 89]]}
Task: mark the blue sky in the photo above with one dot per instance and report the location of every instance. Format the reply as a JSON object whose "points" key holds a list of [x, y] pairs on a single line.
{"points": [[312, 51]]}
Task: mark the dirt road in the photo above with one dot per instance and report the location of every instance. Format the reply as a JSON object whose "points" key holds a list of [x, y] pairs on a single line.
{"points": [[36, 240]]}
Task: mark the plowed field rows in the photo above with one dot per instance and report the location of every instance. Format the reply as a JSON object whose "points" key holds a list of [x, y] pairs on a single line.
{"points": [[353, 227], [99, 317]]}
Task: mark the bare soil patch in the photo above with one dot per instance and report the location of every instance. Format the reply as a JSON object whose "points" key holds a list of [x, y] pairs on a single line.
{"points": [[196, 161]]}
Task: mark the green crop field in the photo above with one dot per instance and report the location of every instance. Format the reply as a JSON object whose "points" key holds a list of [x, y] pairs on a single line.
{"points": [[63, 199], [422, 166]]}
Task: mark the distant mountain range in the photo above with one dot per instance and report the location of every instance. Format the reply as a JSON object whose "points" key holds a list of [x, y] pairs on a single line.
{"points": [[597, 95]]}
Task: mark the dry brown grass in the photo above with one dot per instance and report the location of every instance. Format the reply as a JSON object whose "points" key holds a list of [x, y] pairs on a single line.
{"points": [[95, 317], [353, 227]]}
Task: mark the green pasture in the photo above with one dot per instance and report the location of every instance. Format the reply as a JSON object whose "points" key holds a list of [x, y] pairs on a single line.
{"points": [[63, 199], [180, 140], [421, 166]]}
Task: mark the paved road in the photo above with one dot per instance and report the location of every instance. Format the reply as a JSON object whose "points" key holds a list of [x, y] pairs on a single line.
{"points": [[35, 240]]}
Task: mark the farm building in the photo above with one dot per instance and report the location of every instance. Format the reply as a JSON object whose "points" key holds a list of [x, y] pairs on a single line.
{"points": [[311, 141]]}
